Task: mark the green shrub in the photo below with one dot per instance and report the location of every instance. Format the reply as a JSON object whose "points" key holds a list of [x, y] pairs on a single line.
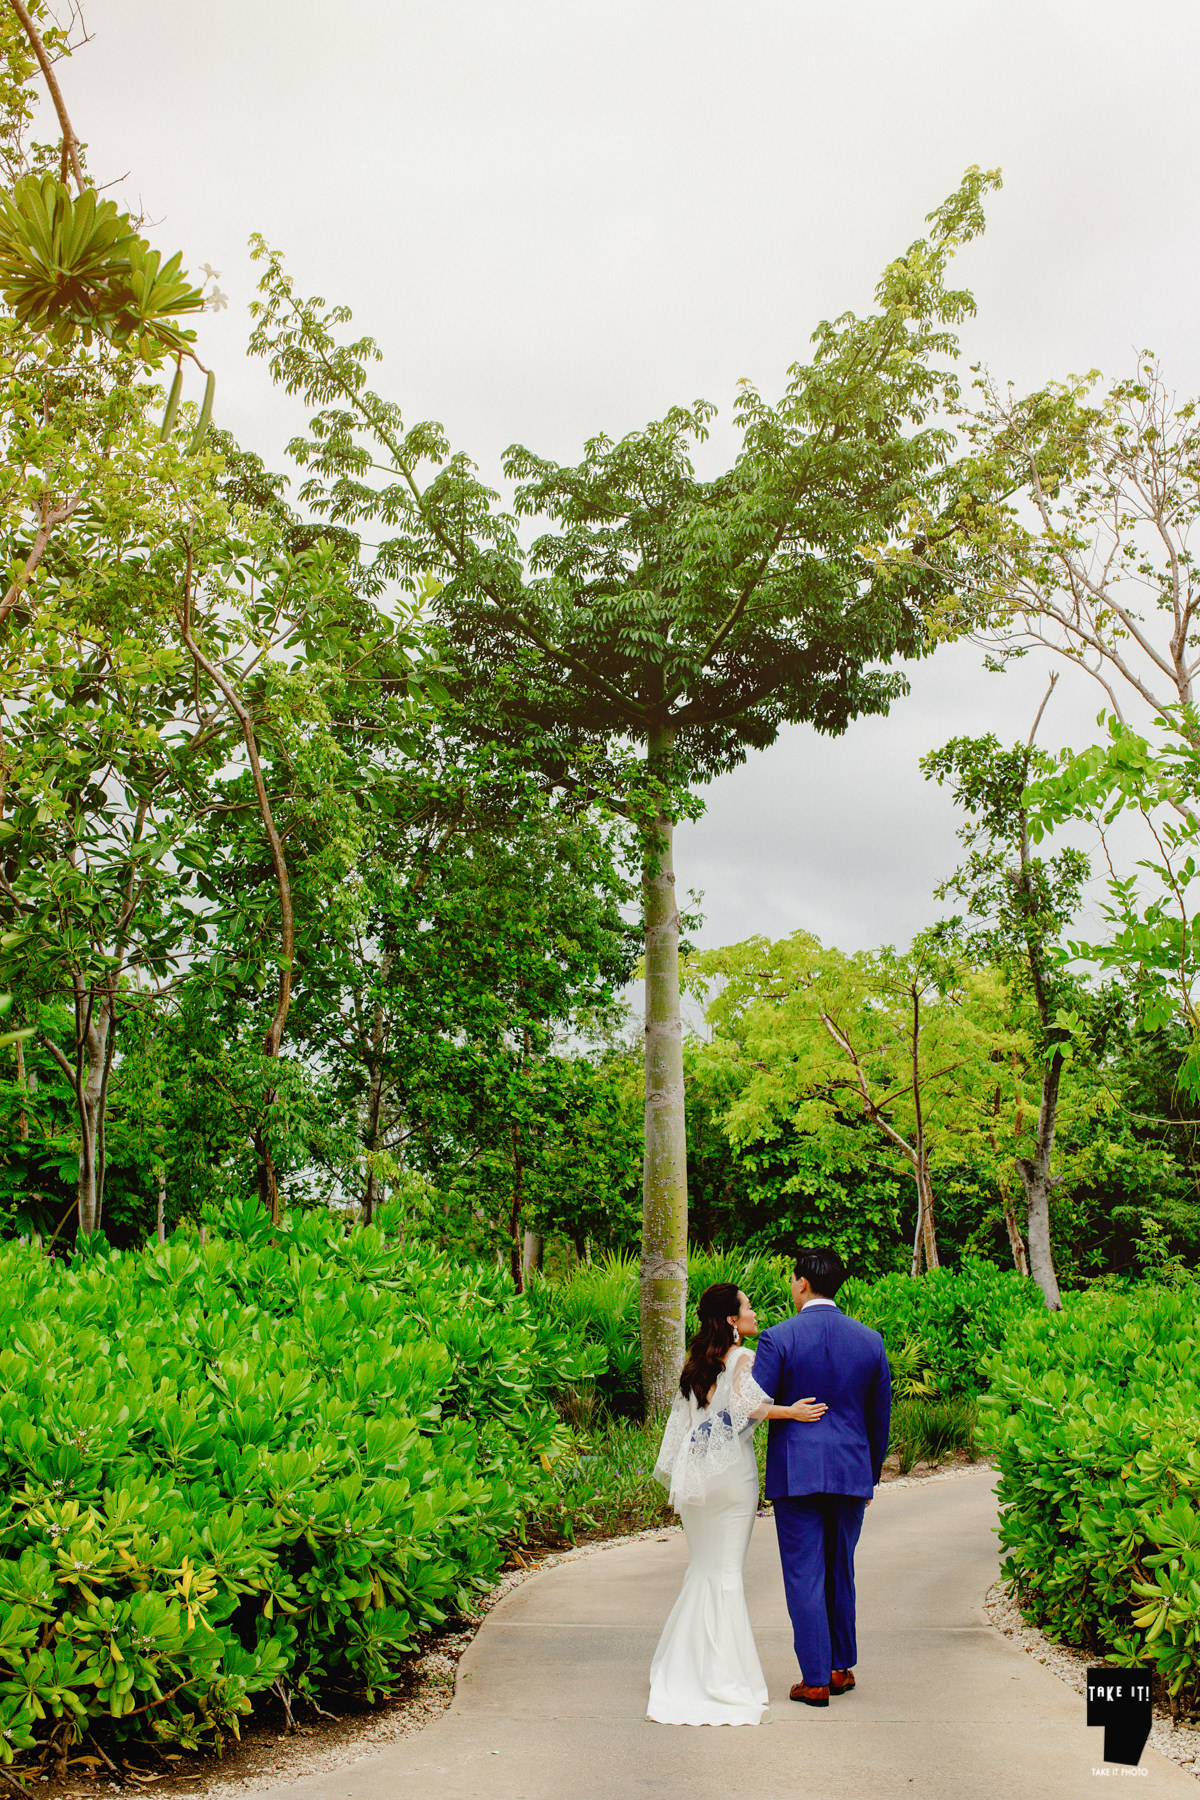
{"points": [[1094, 1416], [767, 1280], [952, 1319], [599, 1301], [278, 1457]]}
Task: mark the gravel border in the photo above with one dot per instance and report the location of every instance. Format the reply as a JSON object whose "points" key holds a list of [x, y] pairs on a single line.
{"points": [[1180, 1742]]}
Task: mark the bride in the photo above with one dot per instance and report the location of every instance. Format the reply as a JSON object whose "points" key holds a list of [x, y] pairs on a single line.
{"points": [[706, 1669]]}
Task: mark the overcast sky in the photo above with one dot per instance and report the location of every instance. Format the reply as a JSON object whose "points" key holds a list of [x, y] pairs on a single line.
{"points": [[560, 217]]}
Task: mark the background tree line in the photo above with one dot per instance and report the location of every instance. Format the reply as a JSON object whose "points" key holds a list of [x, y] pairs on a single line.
{"points": [[333, 827]]}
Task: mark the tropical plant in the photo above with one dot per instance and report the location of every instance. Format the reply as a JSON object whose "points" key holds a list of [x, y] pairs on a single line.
{"points": [[273, 1459], [1091, 1415]]}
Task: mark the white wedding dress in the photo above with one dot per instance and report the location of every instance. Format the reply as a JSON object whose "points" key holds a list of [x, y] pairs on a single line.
{"points": [[706, 1669]]}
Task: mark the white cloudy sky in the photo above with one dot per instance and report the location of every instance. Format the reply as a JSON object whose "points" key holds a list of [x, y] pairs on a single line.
{"points": [[561, 217]]}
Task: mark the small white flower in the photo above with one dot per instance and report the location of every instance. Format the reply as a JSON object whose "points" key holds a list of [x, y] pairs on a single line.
{"points": [[217, 301]]}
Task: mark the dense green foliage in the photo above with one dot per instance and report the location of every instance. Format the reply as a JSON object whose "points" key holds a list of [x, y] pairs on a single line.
{"points": [[956, 1317], [277, 1457], [939, 1330], [1093, 1417]]}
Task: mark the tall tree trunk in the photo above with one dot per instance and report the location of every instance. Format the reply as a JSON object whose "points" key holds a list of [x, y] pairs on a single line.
{"points": [[928, 1223], [1016, 1242], [926, 1228], [1037, 1180], [664, 1182], [925, 1249], [93, 1058], [160, 1215], [95, 1040], [1035, 1170], [372, 1193], [918, 1230], [265, 1179]]}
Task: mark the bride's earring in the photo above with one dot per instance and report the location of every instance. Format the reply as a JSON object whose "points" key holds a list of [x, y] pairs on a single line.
{"points": [[737, 1336]]}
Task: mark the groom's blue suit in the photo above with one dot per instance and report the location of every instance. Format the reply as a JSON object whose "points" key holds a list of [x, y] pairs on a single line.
{"points": [[820, 1477]]}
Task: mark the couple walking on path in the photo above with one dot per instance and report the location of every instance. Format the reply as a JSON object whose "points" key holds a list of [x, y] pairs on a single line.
{"points": [[822, 1380]]}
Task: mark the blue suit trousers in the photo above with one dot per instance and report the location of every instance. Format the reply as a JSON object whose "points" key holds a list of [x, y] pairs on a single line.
{"points": [[817, 1536]]}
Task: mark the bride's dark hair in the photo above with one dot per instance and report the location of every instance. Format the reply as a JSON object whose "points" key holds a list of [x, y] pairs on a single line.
{"points": [[707, 1350]]}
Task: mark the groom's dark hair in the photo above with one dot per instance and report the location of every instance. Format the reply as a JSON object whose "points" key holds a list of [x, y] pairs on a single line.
{"points": [[824, 1271]]}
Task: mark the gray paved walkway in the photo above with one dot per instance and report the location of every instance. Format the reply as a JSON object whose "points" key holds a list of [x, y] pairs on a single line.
{"points": [[551, 1694]]}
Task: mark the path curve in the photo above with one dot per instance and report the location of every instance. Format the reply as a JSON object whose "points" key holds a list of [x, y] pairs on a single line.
{"points": [[551, 1694]]}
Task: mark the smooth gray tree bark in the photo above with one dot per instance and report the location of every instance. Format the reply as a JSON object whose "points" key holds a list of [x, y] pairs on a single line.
{"points": [[664, 1188], [1037, 1180]]}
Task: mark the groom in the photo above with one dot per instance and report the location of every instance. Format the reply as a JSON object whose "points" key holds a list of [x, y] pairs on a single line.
{"points": [[820, 1478]]}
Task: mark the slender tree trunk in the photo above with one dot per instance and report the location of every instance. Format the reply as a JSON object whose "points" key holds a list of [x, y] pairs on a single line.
{"points": [[928, 1222], [664, 1185], [371, 1195], [918, 1231], [160, 1216], [515, 1262], [1016, 1242], [375, 1094], [268, 1190], [94, 1053], [531, 1254], [1035, 1170], [22, 1121], [265, 1178], [925, 1221], [1037, 1180], [925, 1250]]}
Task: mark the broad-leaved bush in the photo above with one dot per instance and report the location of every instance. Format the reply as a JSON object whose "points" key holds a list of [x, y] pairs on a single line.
{"points": [[945, 1324], [276, 1457], [1094, 1416]]}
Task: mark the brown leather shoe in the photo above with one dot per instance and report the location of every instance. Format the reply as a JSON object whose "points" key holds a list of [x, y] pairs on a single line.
{"points": [[841, 1681], [811, 1696]]}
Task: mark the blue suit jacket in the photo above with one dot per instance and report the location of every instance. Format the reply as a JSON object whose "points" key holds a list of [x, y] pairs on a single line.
{"points": [[821, 1352]]}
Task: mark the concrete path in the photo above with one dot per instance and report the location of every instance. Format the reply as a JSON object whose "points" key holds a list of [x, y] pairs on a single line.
{"points": [[552, 1692]]}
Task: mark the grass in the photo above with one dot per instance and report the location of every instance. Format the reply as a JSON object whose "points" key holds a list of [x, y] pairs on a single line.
{"points": [[932, 1430], [603, 1486]]}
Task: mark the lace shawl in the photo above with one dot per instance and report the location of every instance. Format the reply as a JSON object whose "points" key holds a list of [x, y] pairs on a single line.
{"points": [[701, 1443]]}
